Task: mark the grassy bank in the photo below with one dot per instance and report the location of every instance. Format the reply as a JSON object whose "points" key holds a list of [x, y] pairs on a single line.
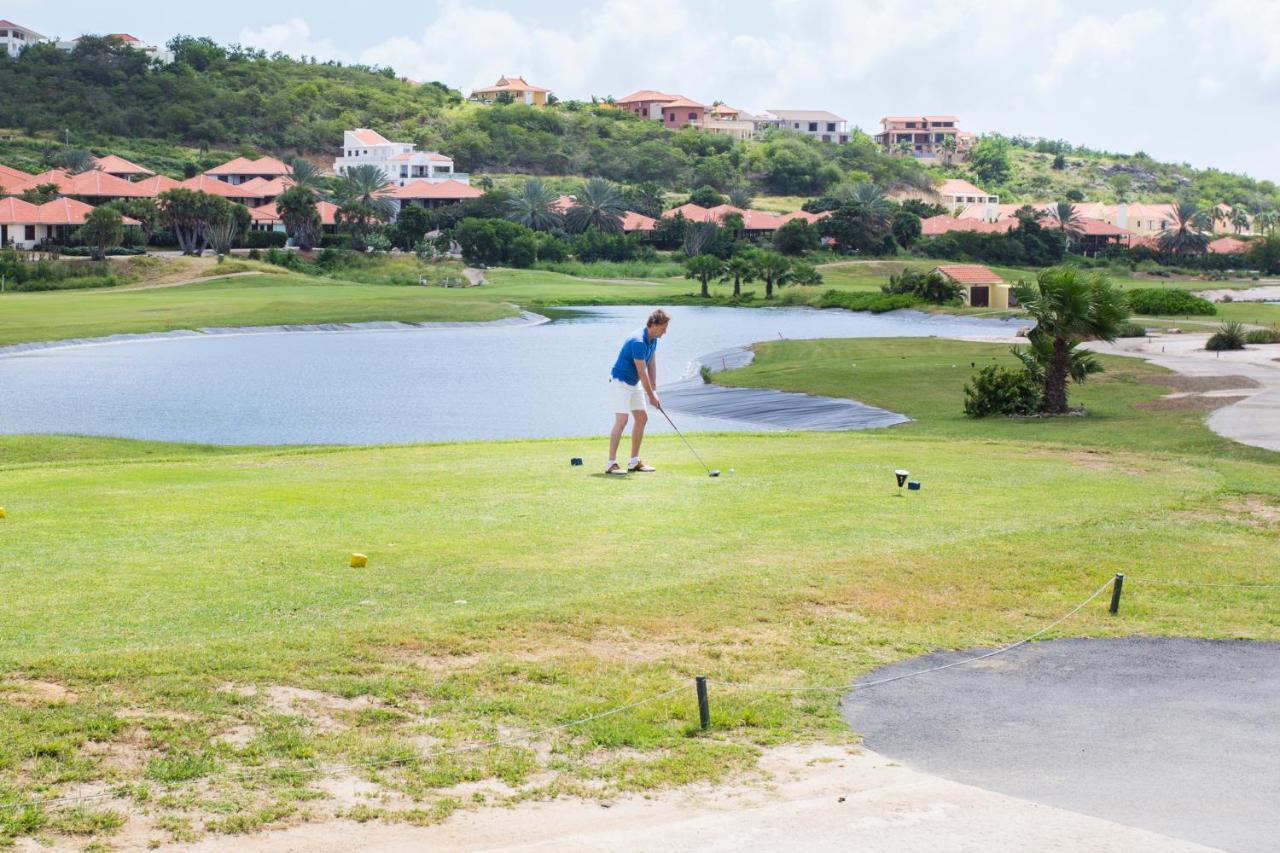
{"points": [[183, 633]]}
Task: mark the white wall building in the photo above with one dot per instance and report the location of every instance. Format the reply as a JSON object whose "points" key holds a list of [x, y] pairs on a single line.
{"points": [[820, 124], [401, 162], [152, 51], [15, 37]]}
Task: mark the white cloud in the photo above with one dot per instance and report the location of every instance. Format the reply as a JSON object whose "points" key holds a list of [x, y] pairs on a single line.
{"points": [[293, 37]]}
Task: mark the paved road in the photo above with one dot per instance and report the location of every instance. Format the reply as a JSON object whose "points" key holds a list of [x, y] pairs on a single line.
{"points": [[1177, 736]]}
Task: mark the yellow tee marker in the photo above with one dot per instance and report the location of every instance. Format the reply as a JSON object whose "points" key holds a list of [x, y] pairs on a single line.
{"points": [[359, 561]]}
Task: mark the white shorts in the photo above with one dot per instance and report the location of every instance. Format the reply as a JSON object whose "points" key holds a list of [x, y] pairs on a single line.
{"points": [[627, 398]]}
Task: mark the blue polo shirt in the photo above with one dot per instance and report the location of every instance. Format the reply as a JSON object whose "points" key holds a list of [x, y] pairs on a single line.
{"points": [[638, 346]]}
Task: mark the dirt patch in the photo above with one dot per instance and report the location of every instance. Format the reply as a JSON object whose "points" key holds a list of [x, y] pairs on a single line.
{"points": [[323, 711], [1198, 384], [1091, 461], [1189, 403], [31, 691], [238, 737], [1257, 509]]}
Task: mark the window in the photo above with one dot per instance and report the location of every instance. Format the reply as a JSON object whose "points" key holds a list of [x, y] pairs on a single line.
{"points": [[911, 124], [671, 117], [844, 137], [404, 173], [29, 232], [826, 137], [693, 116], [813, 127], [831, 125]]}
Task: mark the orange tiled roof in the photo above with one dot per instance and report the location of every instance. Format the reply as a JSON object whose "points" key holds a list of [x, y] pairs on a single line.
{"points": [[645, 95], [268, 213], [266, 187], [15, 211], [958, 186], [95, 183], [1227, 246], [512, 84], [441, 190], [113, 165], [153, 186], [68, 211], [682, 101], [263, 166], [213, 186], [935, 225], [9, 175], [369, 137], [970, 274]]}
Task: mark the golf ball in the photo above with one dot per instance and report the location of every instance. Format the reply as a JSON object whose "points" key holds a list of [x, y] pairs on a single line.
{"points": [[730, 470]]}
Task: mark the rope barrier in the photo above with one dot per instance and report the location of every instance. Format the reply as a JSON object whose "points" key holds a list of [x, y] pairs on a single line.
{"points": [[1179, 582], [865, 684]]}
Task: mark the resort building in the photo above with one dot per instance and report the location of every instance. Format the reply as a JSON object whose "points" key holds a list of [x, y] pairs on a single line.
{"points": [[631, 221], [957, 194], [729, 121], [520, 90], [14, 38], [267, 218], [26, 226], [754, 222], [925, 137], [647, 103], [819, 124], [433, 194], [401, 162], [242, 169], [982, 287]]}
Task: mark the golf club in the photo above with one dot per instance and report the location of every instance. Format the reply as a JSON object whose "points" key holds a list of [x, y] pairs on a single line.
{"points": [[713, 472]]}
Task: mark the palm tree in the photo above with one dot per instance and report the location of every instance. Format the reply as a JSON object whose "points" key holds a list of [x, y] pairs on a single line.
{"points": [[599, 205], [76, 160], [904, 147], [1028, 214], [948, 146], [738, 269], [1068, 307], [1240, 220], [771, 268], [304, 173], [534, 206], [1266, 221], [1069, 220], [740, 197], [703, 268], [1186, 234], [362, 201]]}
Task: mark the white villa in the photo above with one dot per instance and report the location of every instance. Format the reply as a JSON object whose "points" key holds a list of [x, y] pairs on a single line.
{"points": [[820, 124], [401, 162], [15, 37]]}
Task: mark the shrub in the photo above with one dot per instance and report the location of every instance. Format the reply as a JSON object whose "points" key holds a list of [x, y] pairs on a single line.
{"points": [[265, 239], [1230, 335], [929, 286], [335, 241], [1132, 330], [796, 237], [876, 303], [1152, 300], [1001, 391], [1262, 336]]}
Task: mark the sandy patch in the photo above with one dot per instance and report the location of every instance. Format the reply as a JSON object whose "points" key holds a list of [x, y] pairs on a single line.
{"points": [[31, 691], [815, 797], [1199, 384], [1190, 402]]}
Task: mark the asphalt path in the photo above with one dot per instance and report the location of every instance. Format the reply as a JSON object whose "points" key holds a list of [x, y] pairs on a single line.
{"points": [[1174, 735]]}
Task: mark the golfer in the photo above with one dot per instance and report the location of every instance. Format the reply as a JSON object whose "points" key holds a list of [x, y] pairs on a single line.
{"points": [[633, 380]]}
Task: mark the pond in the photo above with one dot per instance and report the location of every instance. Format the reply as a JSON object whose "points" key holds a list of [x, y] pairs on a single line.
{"points": [[387, 386]]}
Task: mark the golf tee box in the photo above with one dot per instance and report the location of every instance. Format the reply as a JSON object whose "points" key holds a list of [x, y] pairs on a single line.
{"points": [[2, 512]]}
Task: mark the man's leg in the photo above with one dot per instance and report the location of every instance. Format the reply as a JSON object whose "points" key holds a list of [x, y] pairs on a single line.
{"points": [[641, 417], [615, 437]]}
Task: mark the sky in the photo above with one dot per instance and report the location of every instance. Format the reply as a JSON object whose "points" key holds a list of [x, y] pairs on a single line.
{"points": [[1195, 82]]}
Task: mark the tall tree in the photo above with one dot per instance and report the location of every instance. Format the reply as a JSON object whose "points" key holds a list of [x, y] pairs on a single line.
{"points": [[598, 205], [703, 268], [738, 269], [189, 214], [1069, 221], [227, 222], [297, 209], [770, 267], [1069, 306], [142, 209], [304, 173], [363, 202], [534, 207], [103, 229], [1186, 233]]}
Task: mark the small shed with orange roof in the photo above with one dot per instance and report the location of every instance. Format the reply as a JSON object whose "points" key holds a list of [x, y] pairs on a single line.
{"points": [[983, 288]]}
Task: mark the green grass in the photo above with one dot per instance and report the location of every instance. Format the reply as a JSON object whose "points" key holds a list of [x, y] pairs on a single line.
{"points": [[176, 590]]}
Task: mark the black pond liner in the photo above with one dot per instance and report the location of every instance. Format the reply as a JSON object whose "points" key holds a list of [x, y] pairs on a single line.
{"points": [[777, 409]]}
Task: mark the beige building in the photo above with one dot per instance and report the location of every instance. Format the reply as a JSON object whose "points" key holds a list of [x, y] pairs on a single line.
{"points": [[520, 90], [925, 137]]}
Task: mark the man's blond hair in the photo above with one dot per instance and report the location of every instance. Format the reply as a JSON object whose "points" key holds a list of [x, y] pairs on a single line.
{"points": [[658, 318]]}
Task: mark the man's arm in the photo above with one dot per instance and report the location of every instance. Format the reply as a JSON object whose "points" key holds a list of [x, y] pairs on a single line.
{"points": [[646, 380], [653, 370]]}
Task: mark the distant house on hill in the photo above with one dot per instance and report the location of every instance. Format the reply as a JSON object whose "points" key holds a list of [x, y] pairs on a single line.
{"points": [[982, 287], [15, 38], [133, 42], [241, 170], [958, 194], [819, 124], [520, 90], [401, 162], [925, 137], [1227, 246]]}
